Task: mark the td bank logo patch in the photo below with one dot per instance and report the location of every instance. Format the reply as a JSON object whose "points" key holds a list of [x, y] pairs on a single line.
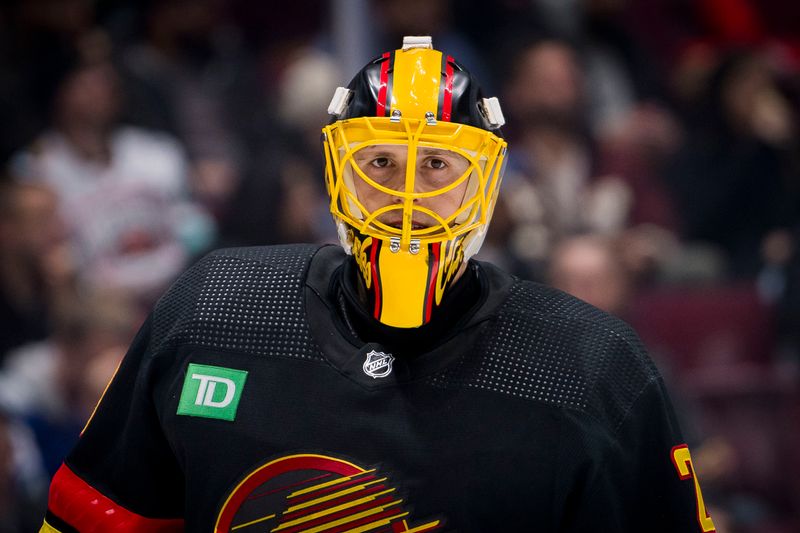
{"points": [[211, 391]]}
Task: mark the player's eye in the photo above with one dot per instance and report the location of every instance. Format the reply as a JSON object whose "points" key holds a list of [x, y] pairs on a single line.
{"points": [[436, 163], [380, 162]]}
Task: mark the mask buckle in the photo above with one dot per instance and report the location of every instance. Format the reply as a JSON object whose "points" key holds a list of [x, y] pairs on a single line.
{"points": [[413, 246]]}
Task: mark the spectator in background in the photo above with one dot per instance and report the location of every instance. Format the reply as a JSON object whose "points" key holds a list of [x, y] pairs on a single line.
{"points": [[281, 199], [730, 179], [635, 133], [21, 505], [303, 94], [568, 175], [123, 191], [36, 41], [592, 268], [619, 74], [54, 384], [190, 75], [36, 269], [550, 189], [239, 109]]}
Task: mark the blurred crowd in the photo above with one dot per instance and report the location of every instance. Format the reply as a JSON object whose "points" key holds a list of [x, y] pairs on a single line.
{"points": [[654, 171]]}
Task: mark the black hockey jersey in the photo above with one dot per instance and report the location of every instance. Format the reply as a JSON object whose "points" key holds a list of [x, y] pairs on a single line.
{"points": [[243, 406]]}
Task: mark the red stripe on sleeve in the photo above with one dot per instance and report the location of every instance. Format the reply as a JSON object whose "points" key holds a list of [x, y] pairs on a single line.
{"points": [[447, 103], [83, 507], [381, 111]]}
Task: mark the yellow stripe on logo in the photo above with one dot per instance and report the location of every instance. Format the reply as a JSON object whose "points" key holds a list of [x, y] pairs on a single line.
{"points": [[416, 79]]}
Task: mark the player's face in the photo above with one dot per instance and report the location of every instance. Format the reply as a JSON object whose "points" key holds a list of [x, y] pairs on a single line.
{"points": [[435, 169]]}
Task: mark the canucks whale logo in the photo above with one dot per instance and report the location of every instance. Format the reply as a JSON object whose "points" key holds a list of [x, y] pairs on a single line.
{"points": [[315, 493]]}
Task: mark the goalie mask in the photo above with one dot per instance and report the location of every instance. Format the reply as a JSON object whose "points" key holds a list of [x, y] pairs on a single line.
{"points": [[414, 160]]}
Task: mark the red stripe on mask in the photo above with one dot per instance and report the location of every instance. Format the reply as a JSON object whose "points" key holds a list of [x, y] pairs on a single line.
{"points": [[381, 111], [433, 273], [447, 104], [376, 279]]}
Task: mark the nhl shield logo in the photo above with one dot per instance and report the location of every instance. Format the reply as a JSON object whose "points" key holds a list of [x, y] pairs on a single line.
{"points": [[378, 364]]}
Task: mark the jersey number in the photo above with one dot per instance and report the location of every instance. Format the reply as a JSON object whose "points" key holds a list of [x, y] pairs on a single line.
{"points": [[683, 464]]}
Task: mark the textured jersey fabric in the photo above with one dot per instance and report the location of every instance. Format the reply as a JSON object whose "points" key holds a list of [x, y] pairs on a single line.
{"points": [[245, 404]]}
